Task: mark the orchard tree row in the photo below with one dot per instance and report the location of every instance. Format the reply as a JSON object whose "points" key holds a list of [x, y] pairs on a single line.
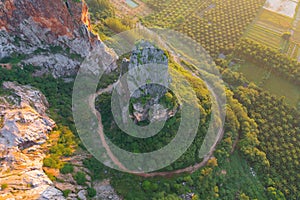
{"points": [[277, 127], [269, 58], [279, 135], [216, 24]]}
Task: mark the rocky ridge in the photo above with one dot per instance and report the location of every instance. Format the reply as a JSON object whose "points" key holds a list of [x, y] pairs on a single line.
{"points": [[104, 190], [52, 34], [24, 127]]}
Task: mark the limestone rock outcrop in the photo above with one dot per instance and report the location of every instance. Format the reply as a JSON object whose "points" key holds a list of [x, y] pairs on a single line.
{"points": [[41, 30], [146, 57], [148, 81], [24, 126]]}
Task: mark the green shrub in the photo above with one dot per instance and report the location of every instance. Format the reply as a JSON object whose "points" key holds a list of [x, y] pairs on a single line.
{"points": [[116, 25], [91, 192], [51, 162], [51, 176], [4, 186], [80, 178], [67, 168], [148, 186], [66, 193]]}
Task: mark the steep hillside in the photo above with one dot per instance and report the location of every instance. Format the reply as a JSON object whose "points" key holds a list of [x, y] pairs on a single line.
{"points": [[24, 127], [52, 34]]}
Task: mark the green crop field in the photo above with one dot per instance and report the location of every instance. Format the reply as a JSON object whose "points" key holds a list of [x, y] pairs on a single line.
{"points": [[275, 20], [270, 82], [268, 29]]}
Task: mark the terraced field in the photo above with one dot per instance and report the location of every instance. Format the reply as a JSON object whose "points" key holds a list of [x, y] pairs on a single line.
{"points": [[272, 23], [274, 20], [259, 34]]}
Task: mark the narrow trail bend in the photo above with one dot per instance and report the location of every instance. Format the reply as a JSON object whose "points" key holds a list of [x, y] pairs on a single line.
{"points": [[115, 160]]}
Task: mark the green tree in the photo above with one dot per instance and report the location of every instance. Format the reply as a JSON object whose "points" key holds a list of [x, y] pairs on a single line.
{"points": [[80, 178], [67, 168]]}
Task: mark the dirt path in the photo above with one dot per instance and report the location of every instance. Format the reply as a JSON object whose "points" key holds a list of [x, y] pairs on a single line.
{"points": [[115, 160], [100, 126], [189, 169]]}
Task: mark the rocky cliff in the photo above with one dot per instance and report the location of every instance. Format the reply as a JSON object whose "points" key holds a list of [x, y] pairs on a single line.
{"points": [[24, 126], [52, 34], [149, 64]]}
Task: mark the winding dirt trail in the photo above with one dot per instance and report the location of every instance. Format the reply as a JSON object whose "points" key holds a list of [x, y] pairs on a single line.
{"points": [[115, 160], [100, 126]]}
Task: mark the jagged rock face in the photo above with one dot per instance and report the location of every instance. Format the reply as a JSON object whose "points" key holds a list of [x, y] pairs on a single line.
{"points": [[147, 58], [52, 22], [148, 55], [29, 26], [24, 126]]}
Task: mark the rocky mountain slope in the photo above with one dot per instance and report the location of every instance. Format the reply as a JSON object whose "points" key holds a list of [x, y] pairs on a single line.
{"points": [[52, 34], [24, 127]]}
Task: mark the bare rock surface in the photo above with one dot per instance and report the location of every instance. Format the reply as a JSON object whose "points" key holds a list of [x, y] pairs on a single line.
{"points": [[54, 35], [148, 81], [105, 191], [24, 127]]}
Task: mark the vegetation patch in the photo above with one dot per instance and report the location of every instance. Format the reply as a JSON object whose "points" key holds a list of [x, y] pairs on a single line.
{"points": [[91, 192], [4, 186], [80, 178], [269, 81], [67, 168]]}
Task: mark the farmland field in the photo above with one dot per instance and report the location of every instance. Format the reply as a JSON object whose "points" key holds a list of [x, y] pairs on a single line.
{"points": [[260, 34], [270, 81], [215, 24], [275, 19]]}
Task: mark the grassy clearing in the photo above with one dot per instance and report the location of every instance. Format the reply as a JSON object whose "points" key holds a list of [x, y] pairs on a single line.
{"points": [[271, 82]]}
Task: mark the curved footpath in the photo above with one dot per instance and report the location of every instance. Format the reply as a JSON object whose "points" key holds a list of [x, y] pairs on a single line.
{"points": [[115, 160]]}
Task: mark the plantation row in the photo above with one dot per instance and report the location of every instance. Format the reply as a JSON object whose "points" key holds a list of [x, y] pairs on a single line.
{"points": [[272, 59], [176, 12], [277, 127], [278, 135], [215, 24]]}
